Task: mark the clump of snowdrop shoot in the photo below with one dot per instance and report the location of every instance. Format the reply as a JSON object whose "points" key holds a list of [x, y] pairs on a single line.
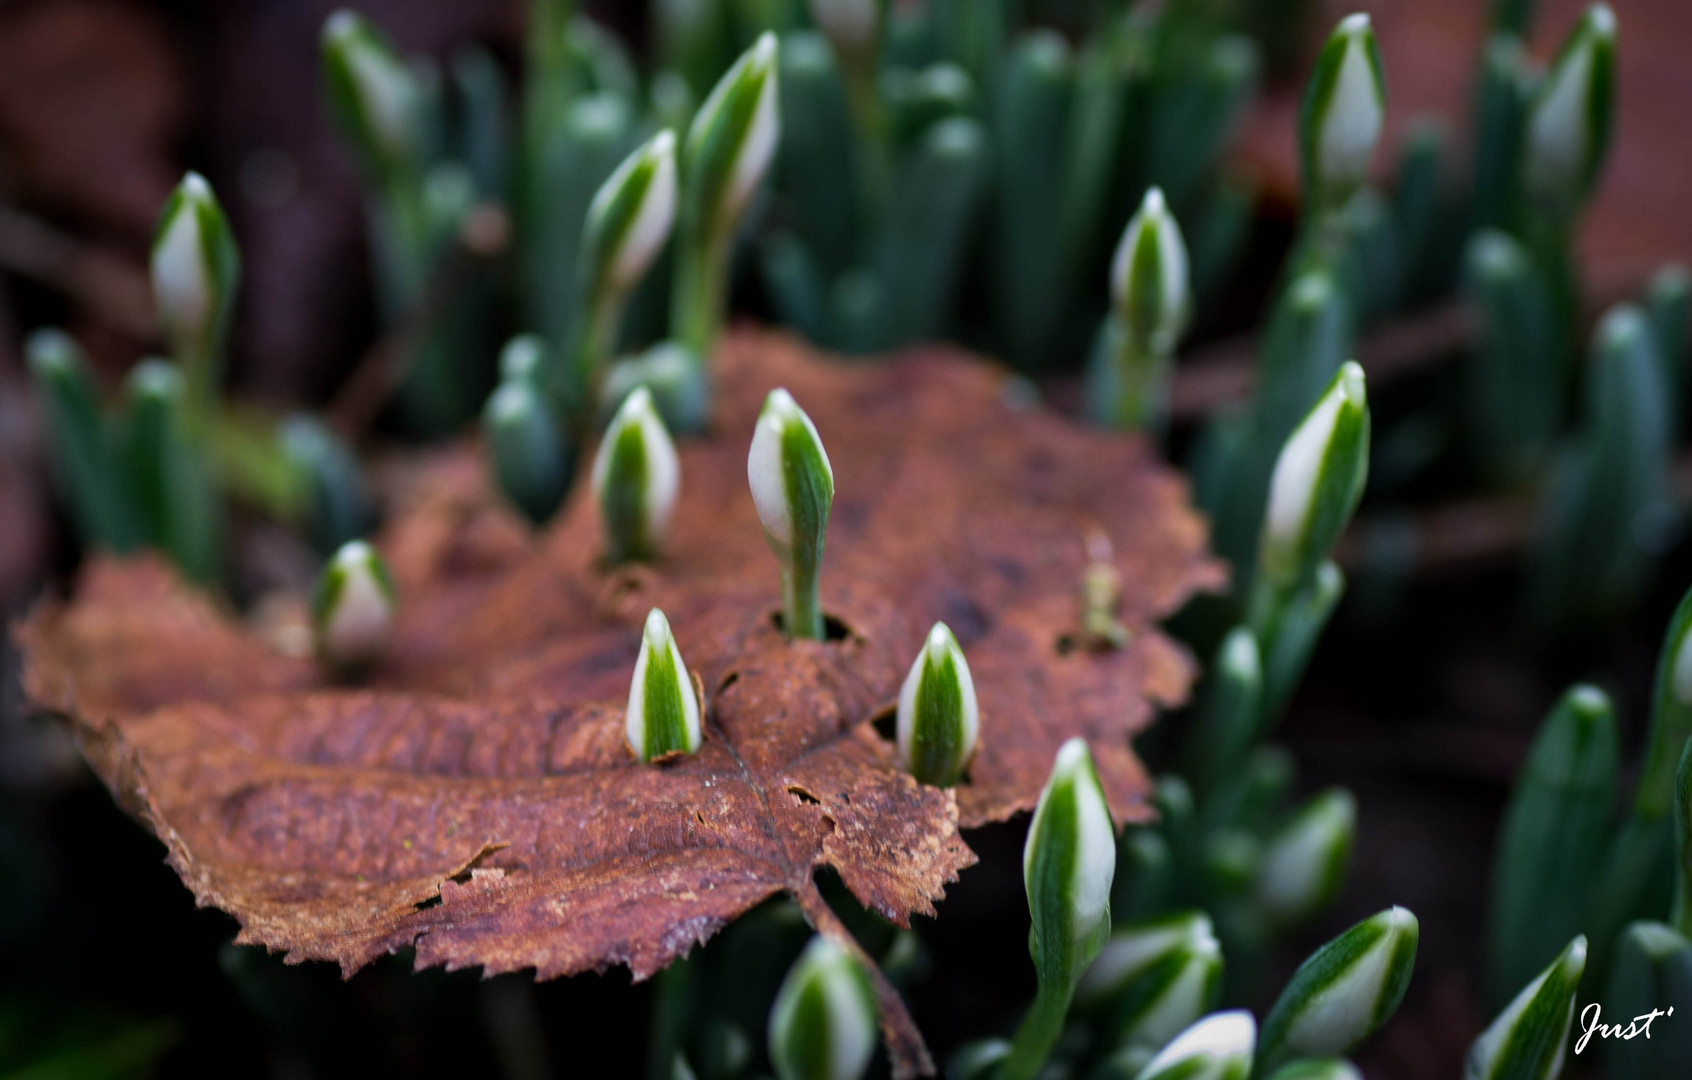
{"points": [[1068, 863], [793, 488], [822, 1026], [1151, 300], [663, 716], [195, 271], [1344, 992], [938, 721], [352, 611], [1219, 1047], [636, 477], [1339, 121]]}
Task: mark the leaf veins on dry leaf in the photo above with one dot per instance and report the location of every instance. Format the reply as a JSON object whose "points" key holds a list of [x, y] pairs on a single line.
{"points": [[475, 798]]}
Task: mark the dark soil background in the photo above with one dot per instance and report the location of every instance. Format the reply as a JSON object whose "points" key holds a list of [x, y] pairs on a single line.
{"points": [[1423, 708]]}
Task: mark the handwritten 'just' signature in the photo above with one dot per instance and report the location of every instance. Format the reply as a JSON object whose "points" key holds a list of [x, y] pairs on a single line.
{"points": [[1591, 1024]]}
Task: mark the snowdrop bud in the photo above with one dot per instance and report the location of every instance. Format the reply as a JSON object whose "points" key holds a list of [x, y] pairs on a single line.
{"points": [[373, 95], [1148, 276], [1340, 119], [635, 478], [1344, 992], [1219, 1047], [195, 271], [793, 489], [1304, 863], [531, 461], [850, 24], [1568, 125], [938, 720], [1068, 862], [1317, 1069], [733, 138], [353, 610], [822, 1026], [1154, 979], [663, 717], [630, 218], [1317, 482], [1530, 1036]]}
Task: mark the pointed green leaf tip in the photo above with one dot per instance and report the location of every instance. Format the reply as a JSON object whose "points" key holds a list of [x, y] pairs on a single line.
{"points": [[1344, 992], [353, 610], [1152, 979], [1340, 118], [636, 478], [793, 489], [373, 97], [1219, 1047], [822, 1026], [938, 721], [732, 139], [663, 717], [195, 271], [1529, 1038], [1568, 126], [1149, 284], [1317, 482], [1068, 862], [630, 219]]}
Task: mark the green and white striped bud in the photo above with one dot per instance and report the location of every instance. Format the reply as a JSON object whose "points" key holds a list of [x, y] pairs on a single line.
{"points": [[1152, 979], [663, 716], [822, 1026], [353, 610], [938, 720], [1344, 992], [636, 477], [1068, 862], [1339, 122], [1529, 1038], [1149, 287], [793, 489], [1317, 483], [1304, 863], [373, 95], [1569, 120], [196, 270], [1219, 1047], [1320, 1069], [629, 220], [531, 461]]}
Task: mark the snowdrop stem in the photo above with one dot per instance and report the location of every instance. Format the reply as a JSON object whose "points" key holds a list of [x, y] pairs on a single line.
{"points": [[1039, 1031], [801, 609], [696, 311]]}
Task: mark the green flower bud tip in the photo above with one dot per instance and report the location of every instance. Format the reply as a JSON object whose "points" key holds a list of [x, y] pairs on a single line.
{"points": [[636, 476], [1318, 479], [1134, 950], [1068, 863], [793, 489], [353, 609], [1530, 1037], [523, 359], [822, 1026], [1304, 864], [1148, 276], [1568, 125], [663, 717], [850, 24], [194, 267], [1163, 976], [375, 96], [1218, 1047], [1340, 120], [1324, 1069], [938, 721], [733, 137], [631, 215], [1344, 992]]}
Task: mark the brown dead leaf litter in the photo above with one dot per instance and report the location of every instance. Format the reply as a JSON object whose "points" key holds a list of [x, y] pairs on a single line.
{"points": [[475, 798]]}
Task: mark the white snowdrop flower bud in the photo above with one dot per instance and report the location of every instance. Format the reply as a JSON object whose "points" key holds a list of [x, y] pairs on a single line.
{"points": [[1304, 862], [793, 489], [1568, 125], [1068, 862], [822, 1026], [1340, 119], [663, 716], [1148, 277], [630, 218], [938, 721], [636, 477], [1530, 1037], [195, 270], [1218, 1047], [374, 96], [353, 610], [1318, 481], [733, 138]]}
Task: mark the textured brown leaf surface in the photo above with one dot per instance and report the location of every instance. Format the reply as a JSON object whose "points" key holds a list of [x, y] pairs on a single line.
{"points": [[475, 798]]}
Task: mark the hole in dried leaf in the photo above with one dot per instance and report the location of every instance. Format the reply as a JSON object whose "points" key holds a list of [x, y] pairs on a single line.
{"points": [[834, 627], [728, 680], [1065, 644], [886, 722], [804, 796]]}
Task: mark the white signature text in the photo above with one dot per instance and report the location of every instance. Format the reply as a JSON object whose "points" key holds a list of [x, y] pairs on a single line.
{"points": [[1591, 1024]]}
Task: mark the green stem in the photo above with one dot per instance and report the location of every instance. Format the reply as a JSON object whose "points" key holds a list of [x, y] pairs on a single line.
{"points": [[1038, 1034], [674, 1008], [800, 607], [700, 292], [1139, 380]]}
